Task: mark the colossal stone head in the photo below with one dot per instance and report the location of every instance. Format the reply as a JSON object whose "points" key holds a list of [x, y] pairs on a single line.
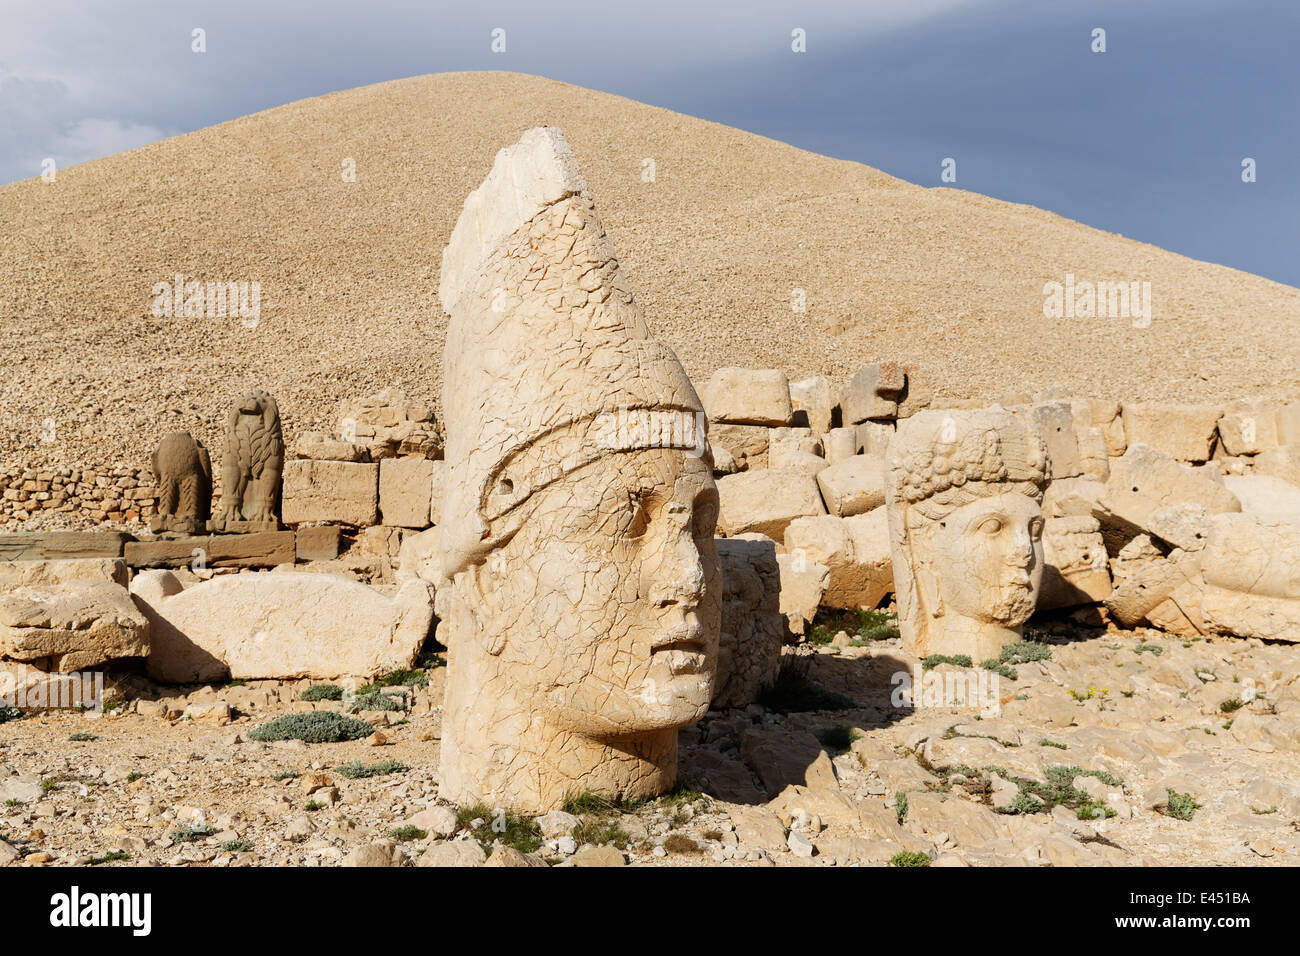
{"points": [[579, 589], [964, 491]]}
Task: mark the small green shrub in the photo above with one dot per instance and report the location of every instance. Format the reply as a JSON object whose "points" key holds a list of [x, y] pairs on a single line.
{"points": [[499, 826], [407, 833], [934, 660], [356, 770], [909, 858], [838, 738], [997, 667], [900, 806], [1180, 806], [680, 843], [1052, 743], [135, 775], [82, 736], [311, 806], [1231, 704], [1094, 810], [319, 726], [191, 832], [113, 856], [1024, 652], [1155, 649], [237, 846], [322, 692], [375, 700]]}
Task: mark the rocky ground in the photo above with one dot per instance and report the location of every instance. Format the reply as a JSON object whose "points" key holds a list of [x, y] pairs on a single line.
{"points": [[1179, 752]]}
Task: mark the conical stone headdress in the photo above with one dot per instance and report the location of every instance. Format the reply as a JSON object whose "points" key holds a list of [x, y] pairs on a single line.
{"points": [[544, 348]]}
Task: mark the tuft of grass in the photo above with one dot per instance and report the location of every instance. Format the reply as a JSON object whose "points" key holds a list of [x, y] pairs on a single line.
{"points": [[600, 831], [237, 682], [865, 626], [500, 826], [1231, 704], [1155, 649], [1052, 743], [49, 784], [934, 660], [322, 692], [900, 806], [909, 858], [355, 769], [82, 736], [13, 802], [376, 700], [407, 833], [191, 832], [680, 843], [319, 726], [281, 775], [237, 846], [311, 806], [112, 856], [794, 692], [1180, 806]]}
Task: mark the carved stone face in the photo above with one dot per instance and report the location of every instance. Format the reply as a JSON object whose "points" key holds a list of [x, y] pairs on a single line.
{"points": [[609, 596], [988, 559]]}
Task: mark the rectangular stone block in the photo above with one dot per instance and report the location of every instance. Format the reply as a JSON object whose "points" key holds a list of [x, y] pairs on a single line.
{"points": [[766, 501], [405, 492], [435, 496], [54, 545], [873, 393], [1249, 427], [331, 491], [812, 403], [854, 486], [747, 443], [317, 543], [1184, 432], [748, 397], [264, 549]]}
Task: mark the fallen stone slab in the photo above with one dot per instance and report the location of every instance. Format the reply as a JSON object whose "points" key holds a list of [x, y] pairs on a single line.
{"points": [[263, 549], [748, 397], [405, 492], [51, 545], [280, 626], [1144, 480], [75, 626], [873, 393], [317, 542], [15, 574], [854, 486], [766, 501], [856, 552]]}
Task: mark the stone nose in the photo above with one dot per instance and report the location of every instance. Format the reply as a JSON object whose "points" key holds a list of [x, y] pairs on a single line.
{"points": [[678, 577]]}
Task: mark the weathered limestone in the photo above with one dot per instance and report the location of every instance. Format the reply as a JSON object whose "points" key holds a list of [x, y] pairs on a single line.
{"points": [[319, 446], [419, 556], [183, 470], [17, 574], [748, 397], [1250, 426], [317, 543], [855, 551], [75, 625], [1074, 563], [279, 626], [873, 393], [386, 425], [965, 525], [766, 501], [1184, 432], [873, 438], [436, 491], [1282, 462], [841, 443], [1054, 422], [263, 549], [61, 545], [1144, 480], [813, 404], [405, 490], [1269, 498], [337, 491], [747, 444], [918, 391], [803, 586], [580, 592], [253, 464], [854, 486], [753, 626]]}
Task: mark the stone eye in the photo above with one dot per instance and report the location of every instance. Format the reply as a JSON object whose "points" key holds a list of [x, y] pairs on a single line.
{"points": [[990, 525]]}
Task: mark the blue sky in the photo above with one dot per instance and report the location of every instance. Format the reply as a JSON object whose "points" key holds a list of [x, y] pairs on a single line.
{"points": [[1146, 139]]}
